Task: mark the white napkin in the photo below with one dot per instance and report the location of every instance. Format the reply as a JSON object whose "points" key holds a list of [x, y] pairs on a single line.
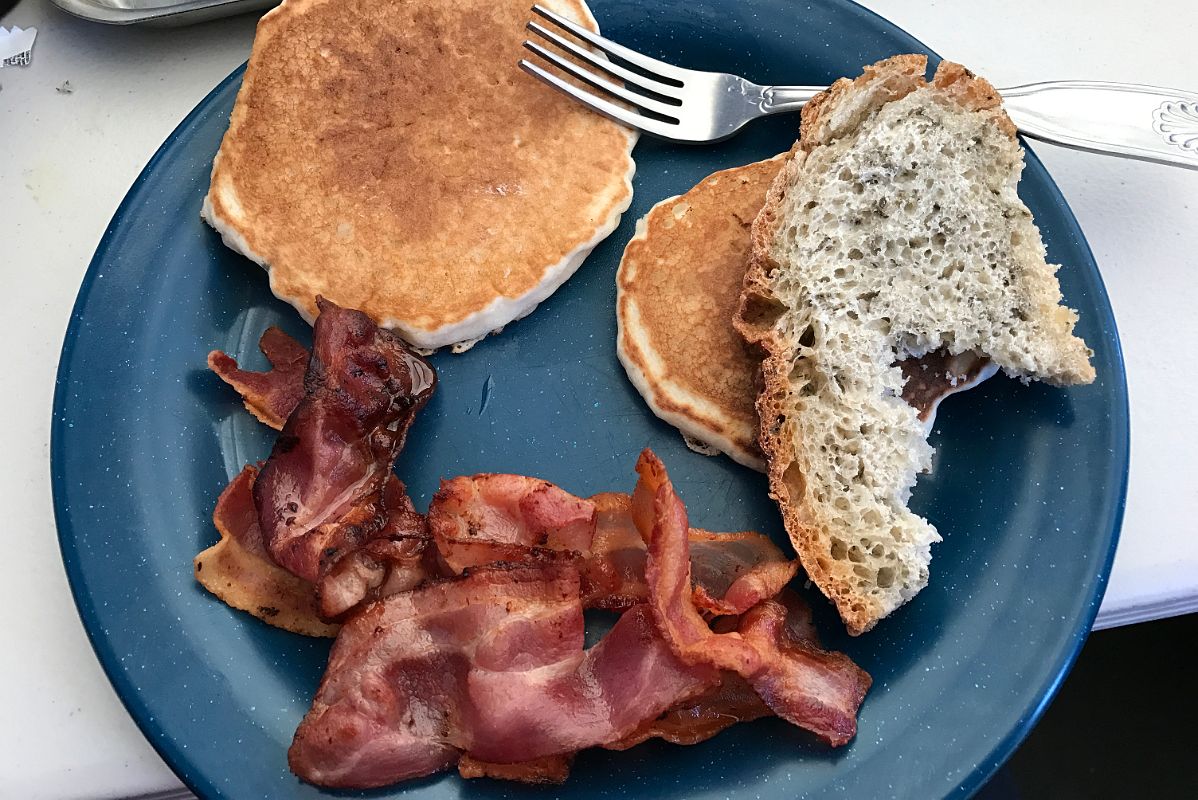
{"points": [[16, 46]]}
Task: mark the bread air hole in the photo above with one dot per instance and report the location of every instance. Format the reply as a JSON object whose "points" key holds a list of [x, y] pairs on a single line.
{"points": [[795, 483], [761, 311], [885, 577], [956, 266]]}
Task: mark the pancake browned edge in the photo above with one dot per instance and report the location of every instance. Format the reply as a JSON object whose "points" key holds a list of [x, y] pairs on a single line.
{"points": [[392, 157], [677, 289]]}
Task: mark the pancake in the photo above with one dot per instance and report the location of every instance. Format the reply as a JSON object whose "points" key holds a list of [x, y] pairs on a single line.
{"points": [[391, 156], [677, 288]]}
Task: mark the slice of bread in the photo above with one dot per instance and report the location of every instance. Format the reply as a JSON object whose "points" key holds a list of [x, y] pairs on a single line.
{"points": [[893, 232], [677, 288]]}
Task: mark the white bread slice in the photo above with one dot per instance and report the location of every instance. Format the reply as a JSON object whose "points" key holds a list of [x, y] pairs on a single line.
{"points": [[894, 231]]}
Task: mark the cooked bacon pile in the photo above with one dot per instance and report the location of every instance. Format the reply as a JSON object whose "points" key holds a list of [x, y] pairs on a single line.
{"points": [[462, 635], [487, 670]]}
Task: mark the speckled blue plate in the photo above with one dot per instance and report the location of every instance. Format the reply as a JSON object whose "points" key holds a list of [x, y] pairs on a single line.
{"points": [[1028, 487]]}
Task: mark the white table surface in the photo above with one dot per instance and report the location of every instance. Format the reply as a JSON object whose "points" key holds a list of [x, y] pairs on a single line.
{"points": [[66, 161]]}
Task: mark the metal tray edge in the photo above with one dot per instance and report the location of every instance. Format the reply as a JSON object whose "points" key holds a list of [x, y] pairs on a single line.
{"points": [[182, 13]]}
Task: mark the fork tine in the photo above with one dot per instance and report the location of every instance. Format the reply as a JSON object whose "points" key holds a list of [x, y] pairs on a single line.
{"points": [[659, 68], [611, 68], [608, 109], [605, 85]]}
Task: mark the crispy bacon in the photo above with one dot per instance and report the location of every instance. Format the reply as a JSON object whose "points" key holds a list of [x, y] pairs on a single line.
{"points": [[490, 664], [239, 570], [363, 546], [487, 518], [801, 683], [400, 557], [698, 719], [320, 495], [805, 685], [270, 396], [548, 770], [732, 572], [613, 572], [733, 700]]}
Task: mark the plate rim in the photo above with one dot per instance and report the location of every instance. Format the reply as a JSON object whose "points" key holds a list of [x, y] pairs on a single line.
{"points": [[199, 784], [84, 606]]}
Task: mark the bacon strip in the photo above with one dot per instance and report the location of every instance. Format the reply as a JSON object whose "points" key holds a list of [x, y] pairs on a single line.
{"points": [[491, 664], [239, 570], [698, 719], [400, 557], [732, 572], [733, 701], [367, 540], [320, 494], [613, 572], [811, 688], [270, 396], [548, 770], [488, 518], [805, 685]]}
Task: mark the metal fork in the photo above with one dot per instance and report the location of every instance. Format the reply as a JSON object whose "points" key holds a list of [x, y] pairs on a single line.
{"points": [[685, 105]]}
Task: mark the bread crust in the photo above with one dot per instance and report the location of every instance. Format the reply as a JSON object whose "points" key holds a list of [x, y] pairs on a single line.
{"points": [[836, 111]]}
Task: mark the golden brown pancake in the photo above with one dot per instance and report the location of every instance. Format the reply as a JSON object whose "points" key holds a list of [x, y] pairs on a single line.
{"points": [[678, 286], [391, 156]]}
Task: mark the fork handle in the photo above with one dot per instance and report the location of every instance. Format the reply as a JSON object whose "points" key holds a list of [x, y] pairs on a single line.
{"points": [[780, 99], [1122, 119]]}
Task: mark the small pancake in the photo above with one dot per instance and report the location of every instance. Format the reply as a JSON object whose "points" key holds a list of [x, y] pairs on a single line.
{"points": [[391, 156], [678, 286]]}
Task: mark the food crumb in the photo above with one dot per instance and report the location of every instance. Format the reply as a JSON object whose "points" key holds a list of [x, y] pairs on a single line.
{"points": [[64, 88]]}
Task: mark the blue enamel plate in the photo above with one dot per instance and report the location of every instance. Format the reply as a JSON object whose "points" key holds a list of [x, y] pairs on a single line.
{"points": [[1028, 486]]}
